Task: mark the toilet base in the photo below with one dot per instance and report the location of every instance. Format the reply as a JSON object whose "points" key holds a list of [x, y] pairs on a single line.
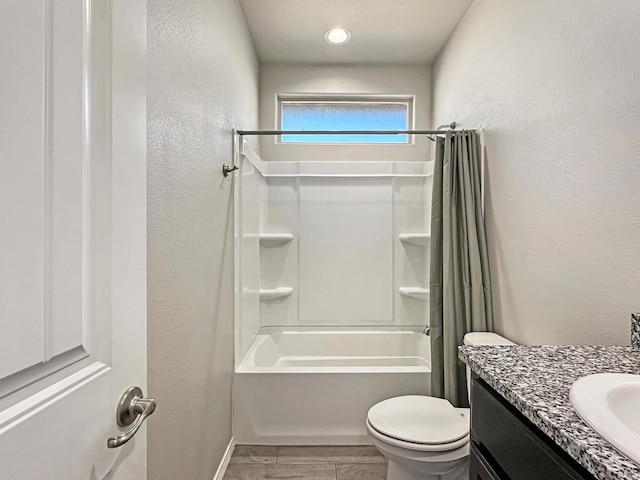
{"points": [[409, 464], [400, 471]]}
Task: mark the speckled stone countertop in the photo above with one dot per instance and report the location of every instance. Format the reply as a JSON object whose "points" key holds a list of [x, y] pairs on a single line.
{"points": [[536, 380], [635, 330]]}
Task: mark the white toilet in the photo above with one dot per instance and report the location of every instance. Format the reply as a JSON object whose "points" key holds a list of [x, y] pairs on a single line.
{"points": [[423, 437]]}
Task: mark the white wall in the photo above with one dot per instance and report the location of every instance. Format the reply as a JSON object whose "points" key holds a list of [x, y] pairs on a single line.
{"points": [[409, 80], [202, 83], [554, 85]]}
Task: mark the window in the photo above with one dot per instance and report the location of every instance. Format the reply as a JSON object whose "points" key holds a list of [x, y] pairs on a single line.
{"points": [[351, 113]]}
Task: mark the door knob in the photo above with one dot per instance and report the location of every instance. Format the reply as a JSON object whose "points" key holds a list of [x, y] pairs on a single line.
{"points": [[132, 408]]}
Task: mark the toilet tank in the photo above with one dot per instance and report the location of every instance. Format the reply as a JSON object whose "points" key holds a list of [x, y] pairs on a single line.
{"points": [[482, 338], [485, 338]]}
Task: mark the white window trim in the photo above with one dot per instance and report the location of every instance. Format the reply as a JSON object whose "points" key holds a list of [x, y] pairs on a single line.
{"points": [[408, 100]]}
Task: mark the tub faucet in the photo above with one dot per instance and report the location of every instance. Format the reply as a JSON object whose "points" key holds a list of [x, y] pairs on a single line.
{"points": [[427, 330]]}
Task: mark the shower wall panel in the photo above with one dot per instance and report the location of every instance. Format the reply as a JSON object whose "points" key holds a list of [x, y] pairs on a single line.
{"points": [[279, 262], [411, 216], [333, 244], [250, 204], [346, 251]]}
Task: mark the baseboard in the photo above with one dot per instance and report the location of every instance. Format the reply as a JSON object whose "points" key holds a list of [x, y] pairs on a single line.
{"points": [[226, 458]]}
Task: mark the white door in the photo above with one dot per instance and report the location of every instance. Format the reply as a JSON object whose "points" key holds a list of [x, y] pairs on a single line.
{"points": [[72, 236]]}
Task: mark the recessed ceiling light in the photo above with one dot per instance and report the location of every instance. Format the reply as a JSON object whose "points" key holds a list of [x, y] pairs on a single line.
{"points": [[337, 35]]}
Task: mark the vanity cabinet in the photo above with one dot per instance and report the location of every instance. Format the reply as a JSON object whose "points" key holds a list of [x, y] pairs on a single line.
{"points": [[507, 446]]}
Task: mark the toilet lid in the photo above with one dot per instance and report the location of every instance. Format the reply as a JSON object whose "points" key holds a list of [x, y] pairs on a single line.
{"points": [[419, 419]]}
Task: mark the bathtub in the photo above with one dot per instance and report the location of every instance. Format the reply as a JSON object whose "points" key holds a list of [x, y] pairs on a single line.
{"points": [[314, 387]]}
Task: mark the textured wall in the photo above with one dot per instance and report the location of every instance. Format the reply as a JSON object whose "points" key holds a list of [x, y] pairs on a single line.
{"points": [[202, 82], [554, 85]]}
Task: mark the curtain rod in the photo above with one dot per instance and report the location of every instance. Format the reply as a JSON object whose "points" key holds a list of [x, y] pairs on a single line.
{"points": [[348, 132]]}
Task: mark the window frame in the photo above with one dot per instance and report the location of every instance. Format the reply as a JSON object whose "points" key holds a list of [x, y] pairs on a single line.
{"points": [[407, 100]]}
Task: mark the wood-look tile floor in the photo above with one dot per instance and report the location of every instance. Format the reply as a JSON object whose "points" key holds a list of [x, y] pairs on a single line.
{"points": [[306, 463]]}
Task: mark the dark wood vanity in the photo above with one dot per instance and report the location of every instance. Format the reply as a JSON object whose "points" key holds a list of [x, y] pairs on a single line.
{"points": [[507, 446]]}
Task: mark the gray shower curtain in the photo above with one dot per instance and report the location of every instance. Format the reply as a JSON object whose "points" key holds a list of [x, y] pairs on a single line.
{"points": [[460, 298]]}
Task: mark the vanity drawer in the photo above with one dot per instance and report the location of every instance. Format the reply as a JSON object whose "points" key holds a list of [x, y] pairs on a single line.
{"points": [[514, 447]]}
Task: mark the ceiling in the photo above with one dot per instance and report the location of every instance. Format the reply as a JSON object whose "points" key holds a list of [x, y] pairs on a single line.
{"points": [[382, 31]]}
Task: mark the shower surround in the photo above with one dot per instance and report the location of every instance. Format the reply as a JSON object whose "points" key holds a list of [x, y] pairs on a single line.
{"points": [[331, 294]]}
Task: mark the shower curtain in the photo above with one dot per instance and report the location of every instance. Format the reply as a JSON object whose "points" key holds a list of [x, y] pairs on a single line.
{"points": [[460, 286]]}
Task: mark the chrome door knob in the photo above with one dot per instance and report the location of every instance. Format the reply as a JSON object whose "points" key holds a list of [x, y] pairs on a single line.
{"points": [[132, 408]]}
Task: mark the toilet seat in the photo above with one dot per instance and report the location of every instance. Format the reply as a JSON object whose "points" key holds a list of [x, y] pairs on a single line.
{"points": [[419, 423], [418, 447]]}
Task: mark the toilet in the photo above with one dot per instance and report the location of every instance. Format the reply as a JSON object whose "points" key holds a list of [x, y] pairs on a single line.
{"points": [[424, 437]]}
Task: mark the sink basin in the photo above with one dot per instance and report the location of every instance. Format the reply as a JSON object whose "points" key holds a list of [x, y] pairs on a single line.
{"points": [[610, 404]]}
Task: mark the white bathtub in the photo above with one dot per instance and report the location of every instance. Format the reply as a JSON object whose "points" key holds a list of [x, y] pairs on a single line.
{"points": [[305, 387]]}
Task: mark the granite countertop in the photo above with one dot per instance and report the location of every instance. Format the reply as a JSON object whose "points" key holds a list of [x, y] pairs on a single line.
{"points": [[536, 380]]}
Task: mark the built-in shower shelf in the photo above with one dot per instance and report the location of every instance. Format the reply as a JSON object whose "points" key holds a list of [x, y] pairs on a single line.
{"points": [[272, 239], [273, 293], [415, 292], [421, 239]]}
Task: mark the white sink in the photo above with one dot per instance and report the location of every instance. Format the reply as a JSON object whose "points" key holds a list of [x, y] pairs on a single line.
{"points": [[610, 404]]}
